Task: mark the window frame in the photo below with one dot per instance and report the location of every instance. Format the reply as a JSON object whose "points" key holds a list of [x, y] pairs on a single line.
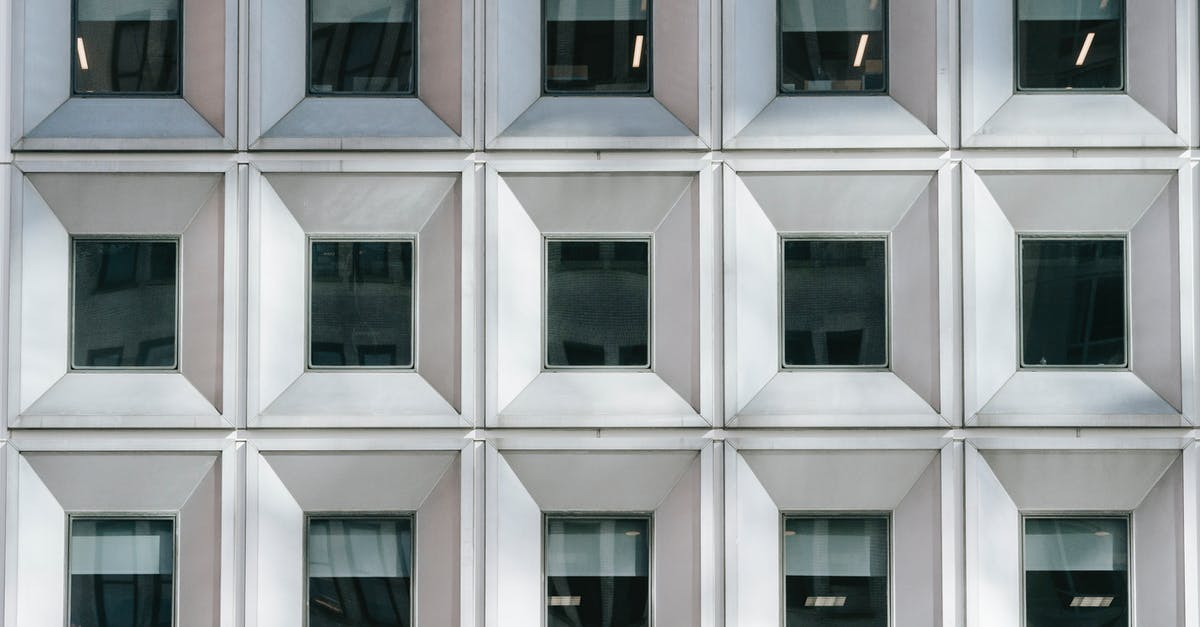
{"points": [[1127, 272], [174, 239], [308, 46], [866, 236], [885, 91], [1016, 86], [886, 515], [592, 237], [647, 52], [309, 241], [1127, 516], [411, 516], [173, 516], [607, 514], [179, 33]]}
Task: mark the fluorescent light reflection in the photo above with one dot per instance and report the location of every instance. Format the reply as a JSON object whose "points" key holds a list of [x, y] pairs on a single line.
{"points": [[637, 51], [1091, 601], [824, 601], [862, 49], [1087, 45], [83, 64], [564, 601]]}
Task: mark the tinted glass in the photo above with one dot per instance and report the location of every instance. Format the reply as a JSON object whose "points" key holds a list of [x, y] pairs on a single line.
{"points": [[360, 572], [832, 46], [597, 572], [1073, 302], [834, 302], [126, 47], [836, 571], [124, 304], [597, 303], [1076, 572], [122, 572], [597, 46], [362, 47], [1070, 44], [362, 304]]}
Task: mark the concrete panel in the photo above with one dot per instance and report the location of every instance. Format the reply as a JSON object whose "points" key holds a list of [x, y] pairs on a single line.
{"points": [[629, 398], [280, 37], [515, 570], [588, 122], [74, 123], [834, 122], [987, 60], [993, 528], [342, 120], [515, 52], [595, 481], [1151, 57], [519, 258], [438, 550], [835, 395], [1078, 120], [122, 481], [753, 539], [989, 298], [44, 310], [201, 269], [1078, 480], [356, 203], [281, 306], [836, 201], [439, 302], [125, 203], [914, 299], [675, 46], [45, 71], [1158, 556], [199, 553], [40, 551], [916, 552], [1074, 201], [363, 481], [440, 60], [122, 399], [756, 306], [751, 62], [204, 37], [315, 396], [1154, 295], [913, 69], [676, 299], [833, 480], [677, 548], [598, 202], [277, 551]]}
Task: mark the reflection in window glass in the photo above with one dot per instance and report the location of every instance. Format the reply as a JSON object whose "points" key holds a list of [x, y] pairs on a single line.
{"points": [[362, 47], [362, 304], [597, 303], [1077, 572], [360, 571], [834, 302], [832, 46], [122, 572], [126, 47], [124, 310], [597, 572], [597, 46], [836, 571], [1070, 44], [1072, 302]]}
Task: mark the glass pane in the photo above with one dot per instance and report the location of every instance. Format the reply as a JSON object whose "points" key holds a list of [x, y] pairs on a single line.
{"points": [[126, 47], [360, 571], [363, 47], [832, 46], [1076, 572], [124, 304], [1070, 44], [597, 572], [597, 46], [1072, 302], [597, 303], [834, 302], [122, 572], [362, 304], [836, 571]]}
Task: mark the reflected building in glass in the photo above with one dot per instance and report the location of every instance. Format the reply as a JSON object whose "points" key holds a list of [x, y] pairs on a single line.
{"points": [[597, 47], [1076, 571], [122, 572], [359, 571], [1065, 44], [597, 571], [836, 571], [835, 46], [362, 47], [127, 47]]}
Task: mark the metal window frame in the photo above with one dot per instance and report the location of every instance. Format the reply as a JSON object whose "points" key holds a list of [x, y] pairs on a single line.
{"points": [[884, 91], [648, 239], [615, 515], [647, 52], [308, 78], [784, 237], [72, 516], [174, 239], [1058, 515], [367, 514], [309, 241], [1021, 238], [1016, 87], [178, 93]]}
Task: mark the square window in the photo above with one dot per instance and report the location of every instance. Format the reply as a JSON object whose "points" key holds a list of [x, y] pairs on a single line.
{"points": [[359, 571], [127, 47], [124, 304], [832, 46], [122, 571], [835, 303], [596, 46], [836, 570], [364, 47], [1065, 44], [1076, 571], [597, 571], [597, 303], [1073, 309], [361, 301]]}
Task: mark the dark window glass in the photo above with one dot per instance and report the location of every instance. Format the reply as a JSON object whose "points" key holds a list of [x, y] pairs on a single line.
{"points": [[124, 304], [360, 571], [834, 302], [836, 571], [1072, 302], [1070, 44], [597, 572], [597, 303], [1077, 572], [597, 46], [122, 572], [362, 304], [832, 46], [362, 47], [127, 47]]}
